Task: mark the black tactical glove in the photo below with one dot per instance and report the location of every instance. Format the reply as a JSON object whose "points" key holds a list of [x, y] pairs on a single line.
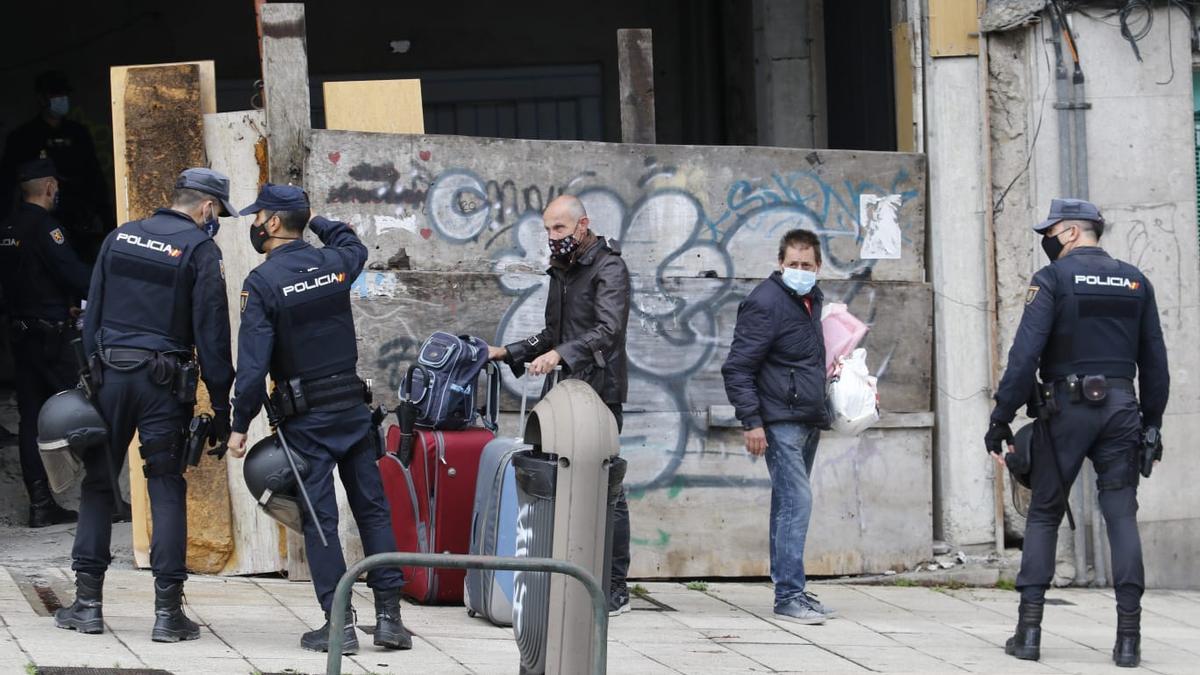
{"points": [[218, 434], [998, 437]]}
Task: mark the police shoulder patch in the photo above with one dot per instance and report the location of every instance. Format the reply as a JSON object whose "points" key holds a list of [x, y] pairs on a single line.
{"points": [[1031, 294], [57, 235], [245, 297]]}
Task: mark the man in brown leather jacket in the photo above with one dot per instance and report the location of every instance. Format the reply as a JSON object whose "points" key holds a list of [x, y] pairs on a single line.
{"points": [[586, 315]]}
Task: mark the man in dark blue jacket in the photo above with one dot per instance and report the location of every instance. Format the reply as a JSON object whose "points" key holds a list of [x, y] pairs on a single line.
{"points": [[297, 326], [775, 378], [43, 280]]}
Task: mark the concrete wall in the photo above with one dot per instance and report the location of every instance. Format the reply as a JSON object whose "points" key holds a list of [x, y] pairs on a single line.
{"points": [[1142, 175], [789, 73], [700, 227]]}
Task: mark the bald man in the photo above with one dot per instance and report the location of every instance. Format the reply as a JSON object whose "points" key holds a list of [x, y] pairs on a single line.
{"points": [[586, 314]]}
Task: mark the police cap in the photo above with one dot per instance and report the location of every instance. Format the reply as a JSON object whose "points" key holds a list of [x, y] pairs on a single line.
{"points": [[209, 182], [274, 197], [41, 167], [1069, 209]]}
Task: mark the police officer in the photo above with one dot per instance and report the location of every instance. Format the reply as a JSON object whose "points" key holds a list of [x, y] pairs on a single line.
{"points": [[43, 279], [84, 208], [297, 326], [157, 297], [1090, 325]]}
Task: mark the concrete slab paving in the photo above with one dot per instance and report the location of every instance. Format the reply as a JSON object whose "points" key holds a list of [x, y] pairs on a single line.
{"points": [[254, 625]]}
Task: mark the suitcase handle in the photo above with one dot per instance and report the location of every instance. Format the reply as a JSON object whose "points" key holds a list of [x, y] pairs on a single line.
{"points": [[525, 399]]}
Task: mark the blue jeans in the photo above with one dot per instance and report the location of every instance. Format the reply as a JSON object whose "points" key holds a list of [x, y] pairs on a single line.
{"points": [[791, 447]]}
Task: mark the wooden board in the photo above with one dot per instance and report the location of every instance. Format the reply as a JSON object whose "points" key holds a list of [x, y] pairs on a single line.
{"points": [[285, 90], [953, 28], [385, 106], [635, 67], [903, 73], [236, 146], [675, 362], [157, 132], [117, 77]]}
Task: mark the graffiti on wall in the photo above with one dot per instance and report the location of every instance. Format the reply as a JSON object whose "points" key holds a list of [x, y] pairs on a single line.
{"points": [[667, 235]]}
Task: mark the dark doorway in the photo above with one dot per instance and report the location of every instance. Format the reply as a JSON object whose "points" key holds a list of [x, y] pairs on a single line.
{"points": [[859, 75]]}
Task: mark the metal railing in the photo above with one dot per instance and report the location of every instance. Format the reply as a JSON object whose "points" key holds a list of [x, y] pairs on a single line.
{"points": [[341, 596]]}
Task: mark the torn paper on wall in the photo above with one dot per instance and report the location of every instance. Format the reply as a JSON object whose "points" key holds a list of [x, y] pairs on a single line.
{"points": [[878, 215]]}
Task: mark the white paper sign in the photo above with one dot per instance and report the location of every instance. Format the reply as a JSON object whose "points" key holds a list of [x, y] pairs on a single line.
{"points": [[878, 217]]}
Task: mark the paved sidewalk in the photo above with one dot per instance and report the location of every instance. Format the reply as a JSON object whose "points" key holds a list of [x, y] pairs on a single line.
{"points": [[253, 625]]}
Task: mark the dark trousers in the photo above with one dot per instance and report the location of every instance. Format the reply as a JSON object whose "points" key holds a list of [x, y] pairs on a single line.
{"points": [[1109, 435], [339, 439], [42, 367], [131, 401], [620, 549]]}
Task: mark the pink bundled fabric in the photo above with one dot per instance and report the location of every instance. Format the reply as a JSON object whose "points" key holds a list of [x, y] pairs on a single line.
{"points": [[842, 333]]}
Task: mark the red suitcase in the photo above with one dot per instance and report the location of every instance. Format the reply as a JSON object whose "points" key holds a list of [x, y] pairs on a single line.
{"points": [[432, 502]]}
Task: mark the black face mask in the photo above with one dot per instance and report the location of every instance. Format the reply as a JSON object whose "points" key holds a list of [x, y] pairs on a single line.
{"points": [[1053, 247], [259, 237]]}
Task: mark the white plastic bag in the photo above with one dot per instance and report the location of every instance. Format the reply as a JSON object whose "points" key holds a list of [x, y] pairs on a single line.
{"points": [[853, 396]]}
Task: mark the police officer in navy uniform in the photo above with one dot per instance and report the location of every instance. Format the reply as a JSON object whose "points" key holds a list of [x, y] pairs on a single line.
{"points": [[85, 208], [157, 297], [297, 326], [43, 280], [1090, 326]]}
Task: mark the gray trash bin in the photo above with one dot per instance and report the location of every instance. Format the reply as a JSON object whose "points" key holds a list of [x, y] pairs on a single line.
{"points": [[537, 475]]}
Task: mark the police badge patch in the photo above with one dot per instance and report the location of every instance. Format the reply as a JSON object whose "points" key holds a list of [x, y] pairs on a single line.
{"points": [[1031, 294], [245, 297], [57, 235]]}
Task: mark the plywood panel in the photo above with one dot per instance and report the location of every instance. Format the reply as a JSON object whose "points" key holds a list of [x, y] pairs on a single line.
{"points": [[385, 106], [236, 146], [903, 77], [953, 28], [157, 132]]}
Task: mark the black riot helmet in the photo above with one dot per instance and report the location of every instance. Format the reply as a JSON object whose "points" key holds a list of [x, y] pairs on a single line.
{"points": [[270, 479], [1020, 462], [68, 424]]}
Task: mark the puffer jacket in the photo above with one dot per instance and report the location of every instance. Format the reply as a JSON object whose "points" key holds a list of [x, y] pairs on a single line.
{"points": [[586, 315], [775, 371]]}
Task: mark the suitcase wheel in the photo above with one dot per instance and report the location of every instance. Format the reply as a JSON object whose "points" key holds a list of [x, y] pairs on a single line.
{"points": [[471, 613]]}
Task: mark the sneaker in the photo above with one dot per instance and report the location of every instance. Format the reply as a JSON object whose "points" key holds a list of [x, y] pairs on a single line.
{"points": [[817, 605], [618, 602], [798, 610]]}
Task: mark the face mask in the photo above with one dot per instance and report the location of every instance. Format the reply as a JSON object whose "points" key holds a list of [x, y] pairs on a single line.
{"points": [[800, 281], [561, 248], [59, 106], [259, 236], [212, 224], [1053, 247]]}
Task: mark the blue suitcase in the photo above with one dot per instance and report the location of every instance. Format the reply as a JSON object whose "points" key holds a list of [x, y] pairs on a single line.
{"points": [[489, 593]]}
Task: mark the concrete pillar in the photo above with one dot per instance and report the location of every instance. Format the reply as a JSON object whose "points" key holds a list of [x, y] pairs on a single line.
{"points": [[963, 475], [789, 70]]}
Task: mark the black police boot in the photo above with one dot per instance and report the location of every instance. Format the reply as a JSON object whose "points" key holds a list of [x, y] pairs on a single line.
{"points": [[43, 510], [389, 630], [1127, 652], [84, 615], [1026, 642], [170, 623], [318, 640]]}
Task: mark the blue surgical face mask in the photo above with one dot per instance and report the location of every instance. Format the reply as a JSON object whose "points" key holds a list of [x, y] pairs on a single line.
{"points": [[800, 281], [59, 106]]}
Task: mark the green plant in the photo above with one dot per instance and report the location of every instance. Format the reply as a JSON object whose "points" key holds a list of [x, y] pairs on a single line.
{"points": [[906, 583], [639, 590], [1006, 585], [31, 669], [697, 586]]}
